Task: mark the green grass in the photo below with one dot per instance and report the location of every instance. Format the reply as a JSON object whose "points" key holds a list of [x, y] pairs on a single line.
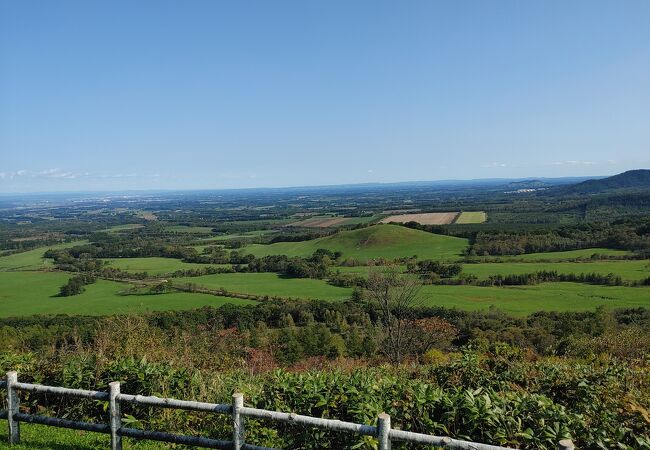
{"points": [[32, 259], [363, 219], [627, 269], [269, 284], [471, 217], [568, 255], [28, 293], [377, 241], [40, 437], [125, 227], [523, 300], [155, 265]]}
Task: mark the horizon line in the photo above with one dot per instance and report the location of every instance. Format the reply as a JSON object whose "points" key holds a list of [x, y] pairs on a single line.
{"points": [[315, 186]]}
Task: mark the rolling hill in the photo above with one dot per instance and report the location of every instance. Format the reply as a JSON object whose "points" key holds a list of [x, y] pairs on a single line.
{"points": [[387, 241], [631, 179]]}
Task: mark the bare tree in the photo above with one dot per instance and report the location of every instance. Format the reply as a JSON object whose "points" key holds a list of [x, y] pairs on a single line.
{"points": [[395, 295]]}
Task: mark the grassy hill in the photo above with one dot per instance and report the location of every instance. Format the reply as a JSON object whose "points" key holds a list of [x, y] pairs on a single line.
{"points": [[387, 241], [631, 179]]}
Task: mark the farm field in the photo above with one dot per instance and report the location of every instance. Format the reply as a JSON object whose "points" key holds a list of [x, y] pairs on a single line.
{"points": [[523, 300], [377, 241], [423, 218], [32, 259], [269, 284], [631, 270], [566, 255], [471, 217], [155, 265], [28, 293], [518, 300]]}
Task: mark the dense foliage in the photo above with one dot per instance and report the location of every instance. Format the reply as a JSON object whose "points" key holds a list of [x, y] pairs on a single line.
{"points": [[484, 392]]}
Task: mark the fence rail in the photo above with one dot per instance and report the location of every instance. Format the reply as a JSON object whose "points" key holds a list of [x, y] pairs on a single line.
{"points": [[238, 412]]}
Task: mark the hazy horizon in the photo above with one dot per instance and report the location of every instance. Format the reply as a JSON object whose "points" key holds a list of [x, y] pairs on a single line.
{"points": [[157, 95], [442, 182]]}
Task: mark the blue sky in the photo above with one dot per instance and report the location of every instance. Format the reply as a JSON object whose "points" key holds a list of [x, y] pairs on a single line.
{"points": [[215, 94]]}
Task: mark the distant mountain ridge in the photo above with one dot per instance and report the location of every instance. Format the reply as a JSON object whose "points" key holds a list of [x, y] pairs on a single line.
{"points": [[639, 178]]}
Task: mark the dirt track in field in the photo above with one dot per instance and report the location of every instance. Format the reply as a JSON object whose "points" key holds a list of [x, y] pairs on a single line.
{"points": [[424, 219]]}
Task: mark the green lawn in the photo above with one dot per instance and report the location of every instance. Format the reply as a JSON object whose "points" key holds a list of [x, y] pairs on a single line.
{"points": [[377, 241], [523, 300], [32, 259], [155, 265], [27, 293], [269, 284], [40, 437], [471, 217], [627, 269]]}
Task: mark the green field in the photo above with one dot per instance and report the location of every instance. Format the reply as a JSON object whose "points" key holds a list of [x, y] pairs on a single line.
{"points": [[125, 227], [377, 241], [155, 265], [523, 300], [269, 284], [584, 253], [627, 269], [32, 259], [471, 217], [27, 293]]}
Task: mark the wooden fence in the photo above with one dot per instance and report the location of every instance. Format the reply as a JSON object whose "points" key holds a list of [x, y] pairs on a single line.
{"points": [[238, 412]]}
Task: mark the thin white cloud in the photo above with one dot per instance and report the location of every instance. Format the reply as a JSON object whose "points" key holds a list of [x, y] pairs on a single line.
{"points": [[574, 163], [495, 164], [60, 174]]}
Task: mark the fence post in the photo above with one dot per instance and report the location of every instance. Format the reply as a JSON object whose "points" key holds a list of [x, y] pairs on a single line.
{"points": [[13, 404], [237, 421], [383, 430], [565, 444], [115, 415]]}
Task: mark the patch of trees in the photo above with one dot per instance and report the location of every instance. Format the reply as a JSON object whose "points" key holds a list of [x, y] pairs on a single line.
{"points": [[75, 285], [126, 249], [299, 236], [358, 323], [434, 269], [628, 234], [347, 279], [316, 266], [84, 262], [544, 276]]}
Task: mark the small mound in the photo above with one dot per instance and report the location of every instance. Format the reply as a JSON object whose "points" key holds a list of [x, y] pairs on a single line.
{"points": [[376, 236], [377, 241]]}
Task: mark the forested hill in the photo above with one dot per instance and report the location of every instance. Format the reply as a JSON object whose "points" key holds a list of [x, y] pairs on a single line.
{"points": [[627, 180]]}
